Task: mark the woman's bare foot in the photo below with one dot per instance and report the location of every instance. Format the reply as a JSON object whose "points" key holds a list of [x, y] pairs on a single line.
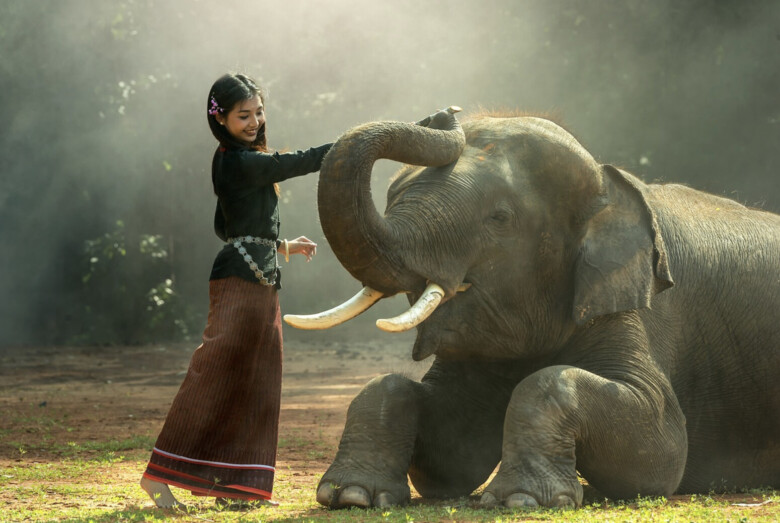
{"points": [[160, 494]]}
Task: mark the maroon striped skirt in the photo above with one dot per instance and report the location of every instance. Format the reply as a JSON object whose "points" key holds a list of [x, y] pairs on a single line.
{"points": [[220, 435]]}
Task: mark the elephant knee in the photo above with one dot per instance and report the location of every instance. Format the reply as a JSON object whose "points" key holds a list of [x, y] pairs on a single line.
{"points": [[394, 387], [390, 400], [550, 393]]}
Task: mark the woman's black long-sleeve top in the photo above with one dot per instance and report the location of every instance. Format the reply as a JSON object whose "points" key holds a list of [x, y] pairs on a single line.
{"points": [[247, 204]]}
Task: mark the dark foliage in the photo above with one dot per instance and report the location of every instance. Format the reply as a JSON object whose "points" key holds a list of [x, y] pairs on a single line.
{"points": [[104, 122]]}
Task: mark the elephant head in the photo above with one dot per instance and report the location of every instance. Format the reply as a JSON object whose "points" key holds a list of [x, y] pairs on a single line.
{"points": [[538, 236]]}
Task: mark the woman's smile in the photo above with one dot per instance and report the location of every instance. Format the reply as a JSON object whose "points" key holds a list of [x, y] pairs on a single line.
{"points": [[245, 119]]}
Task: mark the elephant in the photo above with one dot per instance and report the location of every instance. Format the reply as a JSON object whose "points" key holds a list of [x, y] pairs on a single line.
{"points": [[582, 322]]}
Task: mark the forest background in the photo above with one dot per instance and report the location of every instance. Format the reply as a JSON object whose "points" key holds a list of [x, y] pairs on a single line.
{"points": [[105, 193]]}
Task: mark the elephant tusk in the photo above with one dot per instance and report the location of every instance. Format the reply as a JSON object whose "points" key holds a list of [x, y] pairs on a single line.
{"points": [[417, 313], [359, 303]]}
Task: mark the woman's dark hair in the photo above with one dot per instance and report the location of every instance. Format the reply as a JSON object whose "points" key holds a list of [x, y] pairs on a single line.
{"points": [[226, 92]]}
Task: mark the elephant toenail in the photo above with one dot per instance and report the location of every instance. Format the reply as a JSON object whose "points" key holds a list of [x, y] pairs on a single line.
{"points": [[488, 500], [384, 499], [521, 500], [325, 494], [354, 496], [564, 502]]}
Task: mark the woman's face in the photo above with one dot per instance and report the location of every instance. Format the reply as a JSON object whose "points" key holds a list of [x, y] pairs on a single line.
{"points": [[244, 120]]}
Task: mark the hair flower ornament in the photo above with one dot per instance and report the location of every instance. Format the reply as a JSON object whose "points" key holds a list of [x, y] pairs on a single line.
{"points": [[215, 108]]}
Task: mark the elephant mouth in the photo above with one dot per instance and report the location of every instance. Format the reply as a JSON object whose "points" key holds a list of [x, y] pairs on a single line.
{"points": [[429, 300]]}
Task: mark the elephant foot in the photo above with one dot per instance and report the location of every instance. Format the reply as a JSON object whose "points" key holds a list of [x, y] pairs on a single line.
{"points": [[352, 496], [522, 500], [345, 485], [371, 466], [516, 500], [531, 488]]}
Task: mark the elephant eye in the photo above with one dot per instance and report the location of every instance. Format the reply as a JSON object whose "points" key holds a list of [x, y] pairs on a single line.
{"points": [[500, 217]]}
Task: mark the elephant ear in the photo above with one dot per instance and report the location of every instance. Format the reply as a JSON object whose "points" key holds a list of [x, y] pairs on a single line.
{"points": [[622, 261]]}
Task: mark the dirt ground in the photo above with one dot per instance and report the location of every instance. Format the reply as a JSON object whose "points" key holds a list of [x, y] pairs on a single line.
{"points": [[53, 397], [50, 396]]}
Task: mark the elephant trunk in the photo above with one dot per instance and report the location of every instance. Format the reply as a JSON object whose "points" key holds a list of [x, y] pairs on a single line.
{"points": [[366, 243]]}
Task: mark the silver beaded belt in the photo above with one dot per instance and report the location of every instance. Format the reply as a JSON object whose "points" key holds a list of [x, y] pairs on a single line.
{"points": [[238, 242]]}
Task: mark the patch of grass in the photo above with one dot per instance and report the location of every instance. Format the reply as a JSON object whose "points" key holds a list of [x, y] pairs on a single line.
{"points": [[316, 454], [316, 447], [30, 422], [292, 441], [106, 448], [40, 472], [97, 450], [108, 491]]}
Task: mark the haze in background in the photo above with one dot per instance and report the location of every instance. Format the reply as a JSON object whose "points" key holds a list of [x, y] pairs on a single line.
{"points": [[104, 134]]}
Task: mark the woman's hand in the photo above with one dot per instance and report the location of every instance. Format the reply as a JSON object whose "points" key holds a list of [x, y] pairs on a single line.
{"points": [[300, 245]]}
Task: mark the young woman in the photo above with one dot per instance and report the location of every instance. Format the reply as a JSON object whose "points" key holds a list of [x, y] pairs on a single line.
{"points": [[219, 438]]}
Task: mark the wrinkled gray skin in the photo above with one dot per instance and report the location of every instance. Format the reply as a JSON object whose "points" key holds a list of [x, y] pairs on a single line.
{"points": [[625, 331]]}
